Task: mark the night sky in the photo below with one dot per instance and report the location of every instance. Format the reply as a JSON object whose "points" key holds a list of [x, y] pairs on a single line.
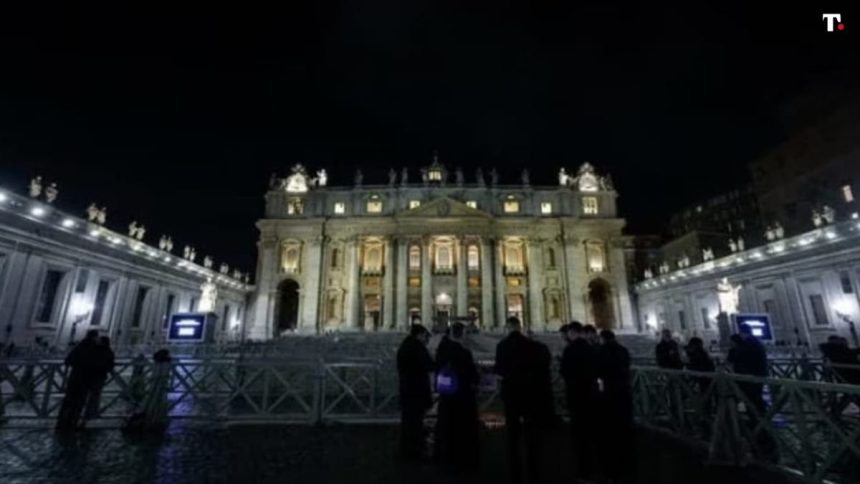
{"points": [[176, 118]]}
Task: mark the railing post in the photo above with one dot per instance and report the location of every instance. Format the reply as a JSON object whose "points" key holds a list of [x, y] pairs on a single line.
{"points": [[319, 392]]}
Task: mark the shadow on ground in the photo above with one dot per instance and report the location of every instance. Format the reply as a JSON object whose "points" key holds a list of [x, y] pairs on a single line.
{"points": [[296, 454]]}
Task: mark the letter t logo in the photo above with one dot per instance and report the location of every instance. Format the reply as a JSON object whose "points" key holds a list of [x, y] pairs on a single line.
{"points": [[830, 17]]}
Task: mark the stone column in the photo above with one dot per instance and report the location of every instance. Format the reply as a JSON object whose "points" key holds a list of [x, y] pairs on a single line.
{"points": [[426, 284], [352, 308], [311, 290], [402, 292], [625, 321], [388, 322], [487, 320], [462, 286], [259, 324], [574, 252], [500, 283], [535, 276]]}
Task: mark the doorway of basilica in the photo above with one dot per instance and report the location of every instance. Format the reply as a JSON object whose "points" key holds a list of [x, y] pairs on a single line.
{"points": [[443, 305], [372, 312]]}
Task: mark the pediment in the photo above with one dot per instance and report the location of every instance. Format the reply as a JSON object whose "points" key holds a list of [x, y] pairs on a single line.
{"points": [[443, 207]]}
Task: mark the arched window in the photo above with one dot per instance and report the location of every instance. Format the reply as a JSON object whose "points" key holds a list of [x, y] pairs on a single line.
{"points": [[443, 257], [290, 257], [474, 258], [373, 258], [513, 257], [596, 256], [415, 258]]}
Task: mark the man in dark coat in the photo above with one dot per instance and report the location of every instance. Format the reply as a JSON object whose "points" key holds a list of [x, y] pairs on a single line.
{"points": [[458, 425], [668, 353], [616, 408], [749, 357], [579, 370], [414, 367], [515, 363], [83, 362], [103, 365]]}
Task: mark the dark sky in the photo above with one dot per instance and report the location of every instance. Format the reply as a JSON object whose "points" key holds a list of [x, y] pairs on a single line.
{"points": [[176, 117]]}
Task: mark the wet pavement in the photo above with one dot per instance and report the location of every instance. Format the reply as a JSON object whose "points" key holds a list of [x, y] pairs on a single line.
{"points": [[354, 454]]}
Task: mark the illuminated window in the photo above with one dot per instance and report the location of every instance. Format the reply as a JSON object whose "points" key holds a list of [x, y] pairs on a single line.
{"points": [[374, 205], [414, 204], [414, 258], [474, 258], [472, 204], [512, 205], [434, 175], [545, 208], [339, 208], [847, 193], [589, 205], [443, 257], [295, 206], [373, 258], [596, 255], [414, 282]]}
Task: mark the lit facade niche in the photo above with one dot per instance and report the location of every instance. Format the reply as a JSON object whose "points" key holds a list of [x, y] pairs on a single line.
{"points": [[553, 303], [512, 205], [595, 253], [339, 208], [513, 249], [291, 252], [415, 258], [444, 254], [474, 258], [372, 256], [546, 208]]}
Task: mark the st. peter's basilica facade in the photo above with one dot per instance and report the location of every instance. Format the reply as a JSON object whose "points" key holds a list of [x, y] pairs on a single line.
{"points": [[377, 257]]}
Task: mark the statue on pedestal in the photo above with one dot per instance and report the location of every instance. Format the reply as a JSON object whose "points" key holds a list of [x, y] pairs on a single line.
{"points": [[392, 177], [51, 193], [36, 187], [322, 178], [733, 246], [192, 255], [207, 262], [525, 177], [494, 177], [132, 229], [236, 274], [707, 254], [102, 216], [769, 233], [816, 218], [359, 178], [479, 177], [186, 252], [141, 230], [92, 212], [828, 214], [404, 176], [168, 245], [741, 244], [458, 176], [778, 231], [208, 297], [728, 296], [162, 242], [224, 268], [563, 178], [648, 274]]}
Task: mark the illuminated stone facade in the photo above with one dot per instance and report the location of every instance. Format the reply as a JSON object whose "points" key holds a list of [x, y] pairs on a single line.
{"points": [[376, 257]]}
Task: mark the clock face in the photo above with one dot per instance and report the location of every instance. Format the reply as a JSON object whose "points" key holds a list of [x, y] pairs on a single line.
{"points": [[588, 183], [297, 183]]}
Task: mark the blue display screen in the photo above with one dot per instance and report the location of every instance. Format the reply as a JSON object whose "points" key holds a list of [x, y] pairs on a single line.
{"points": [[187, 327], [759, 325]]}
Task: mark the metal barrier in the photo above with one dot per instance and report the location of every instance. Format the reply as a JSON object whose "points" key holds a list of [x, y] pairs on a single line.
{"points": [[811, 427]]}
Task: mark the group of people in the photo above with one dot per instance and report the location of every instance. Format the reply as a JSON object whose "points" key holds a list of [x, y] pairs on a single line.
{"points": [[596, 371], [90, 363]]}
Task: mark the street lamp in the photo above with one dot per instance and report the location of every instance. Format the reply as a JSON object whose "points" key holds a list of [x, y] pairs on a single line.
{"points": [[80, 311], [843, 308]]}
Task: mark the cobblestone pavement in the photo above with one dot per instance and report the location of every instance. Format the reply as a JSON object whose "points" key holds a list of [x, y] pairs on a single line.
{"points": [[286, 454]]}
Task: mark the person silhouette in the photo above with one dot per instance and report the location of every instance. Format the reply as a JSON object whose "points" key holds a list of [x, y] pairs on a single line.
{"points": [[414, 366]]}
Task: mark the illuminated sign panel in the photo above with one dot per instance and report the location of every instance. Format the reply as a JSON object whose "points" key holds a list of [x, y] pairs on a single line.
{"points": [[187, 327], [759, 325]]}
